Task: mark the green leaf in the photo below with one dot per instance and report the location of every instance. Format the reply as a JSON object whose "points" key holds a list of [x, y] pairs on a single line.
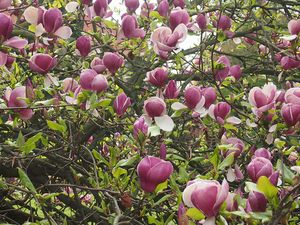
{"points": [[56, 126], [266, 187], [227, 161], [99, 157], [287, 174], [195, 214], [128, 162], [26, 181], [20, 140], [109, 24], [117, 172], [30, 144], [161, 187]]}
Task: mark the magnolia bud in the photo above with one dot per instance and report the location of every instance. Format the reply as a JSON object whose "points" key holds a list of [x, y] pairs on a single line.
{"points": [[100, 7], [140, 127], [157, 77], [42, 63], [132, 5], [121, 103], [52, 20], [178, 16], [83, 44], [154, 107], [171, 91], [163, 151], [112, 61], [6, 26], [256, 202], [152, 171], [192, 96], [97, 65], [294, 27], [163, 8], [202, 21]]}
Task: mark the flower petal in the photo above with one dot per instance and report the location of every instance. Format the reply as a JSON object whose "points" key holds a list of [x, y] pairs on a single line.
{"points": [[177, 106], [233, 120], [16, 42], [31, 15], [164, 122], [3, 58], [64, 32], [72, 7]]}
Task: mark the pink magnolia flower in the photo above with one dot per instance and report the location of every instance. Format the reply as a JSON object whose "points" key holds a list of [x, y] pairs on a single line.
{"points": [[132, 5], [140, 127], [165, 41], [206, 195], [294, 27], [210, 96], [121, 103], [263, 152], [83, 45], [73, 100], [222, 73], [231, 203], [69, 84], [130, 27], [235, 71], [291, 113], [155, 108], [179, 3], [152, 171], [194, 98], [50, 21], [163, 8], [202, 20], [112, 61], [237, 146], [5, 33], [87, 198], [224, 22], [4, 4], [292, 95], [92, 81], [219, 112], [263, 99], [6, 26], [97, 65], [288, 63], [178, 16], [42, 63], [260, 166], [100, 7], [256, 202], [157, 77], [16, 98], [146, 8], [171, 91]]}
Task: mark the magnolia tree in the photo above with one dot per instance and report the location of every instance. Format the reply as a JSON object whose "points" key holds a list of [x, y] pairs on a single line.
{"points": [[161, 112]]}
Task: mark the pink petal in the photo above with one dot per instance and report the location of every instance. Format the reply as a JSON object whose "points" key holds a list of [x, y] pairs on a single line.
{"points": [[3, 58], [204, 199], [31, 15], [16, 42], [64, 32]]}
